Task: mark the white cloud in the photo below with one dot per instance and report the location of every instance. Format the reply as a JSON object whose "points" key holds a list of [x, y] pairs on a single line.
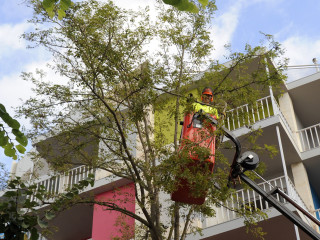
{"points": [[301, 50], [137, 5], [226, 23], [13, 88], [134, 5], [223, 28], [10, 36]]}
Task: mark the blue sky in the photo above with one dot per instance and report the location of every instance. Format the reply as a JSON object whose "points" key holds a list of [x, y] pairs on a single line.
{"points": [[295, 24]]}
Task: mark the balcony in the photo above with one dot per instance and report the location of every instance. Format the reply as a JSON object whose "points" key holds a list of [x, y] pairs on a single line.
{"points": [[247, 115], [243, 198], [59, 183], [309, 137], [247, 198]]}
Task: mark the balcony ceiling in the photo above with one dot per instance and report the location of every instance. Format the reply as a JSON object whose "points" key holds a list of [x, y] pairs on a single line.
{"points": [[274, 167], [277, 228], [74, 223], [305, 95]]}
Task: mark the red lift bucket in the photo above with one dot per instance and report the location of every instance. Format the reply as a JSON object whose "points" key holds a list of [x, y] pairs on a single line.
{"points": [[194, 130]]}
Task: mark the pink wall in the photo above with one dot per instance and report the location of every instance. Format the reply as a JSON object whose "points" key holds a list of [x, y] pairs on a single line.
{"points": [[108, 224]]}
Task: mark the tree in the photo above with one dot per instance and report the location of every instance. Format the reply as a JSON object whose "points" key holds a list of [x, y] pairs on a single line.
{"points": [[114, 87]]}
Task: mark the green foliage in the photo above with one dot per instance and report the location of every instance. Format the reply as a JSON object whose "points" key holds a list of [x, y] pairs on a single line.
{"points": [[19, 204], [184, 5], [4, 174], [58, 7], [17, 214], [10, 149], [251, 222]]}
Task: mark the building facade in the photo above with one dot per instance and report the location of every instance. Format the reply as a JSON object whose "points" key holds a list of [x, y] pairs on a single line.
{"points": [[292, 125], [291, 122]]}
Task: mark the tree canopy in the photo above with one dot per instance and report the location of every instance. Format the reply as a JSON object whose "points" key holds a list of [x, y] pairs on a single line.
{"points": [[126, 83]]}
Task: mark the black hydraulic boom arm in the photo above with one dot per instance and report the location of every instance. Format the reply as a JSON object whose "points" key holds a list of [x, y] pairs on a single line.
{"points": [[281, 208], [249, 161]]}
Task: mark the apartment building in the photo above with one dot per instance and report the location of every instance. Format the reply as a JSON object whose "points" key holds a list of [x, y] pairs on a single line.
{"points": [[291, 122]]}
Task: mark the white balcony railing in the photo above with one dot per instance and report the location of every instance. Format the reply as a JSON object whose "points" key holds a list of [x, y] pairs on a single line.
{"points": [[309, 137], [247, 198], [59, 183], [264, 108], [249, 114]]}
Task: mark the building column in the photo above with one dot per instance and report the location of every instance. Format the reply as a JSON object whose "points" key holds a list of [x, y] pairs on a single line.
{"points": [[285, 173], [302, 185], [283, 160], [288, 112]]}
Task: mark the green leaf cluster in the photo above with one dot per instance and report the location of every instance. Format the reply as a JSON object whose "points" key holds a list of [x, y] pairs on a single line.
{"points": [[11, 149], [18, 207], [17, 211], [186, 5], [56, 7]]}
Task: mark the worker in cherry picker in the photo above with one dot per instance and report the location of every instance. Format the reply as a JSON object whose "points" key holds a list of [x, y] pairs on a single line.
{"points": [[206, 98]]}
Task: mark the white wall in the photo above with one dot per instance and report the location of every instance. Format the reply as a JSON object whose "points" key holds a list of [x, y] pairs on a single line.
{"points": [[302, 185], [23, 166], [287, 110], [30, 165]]}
